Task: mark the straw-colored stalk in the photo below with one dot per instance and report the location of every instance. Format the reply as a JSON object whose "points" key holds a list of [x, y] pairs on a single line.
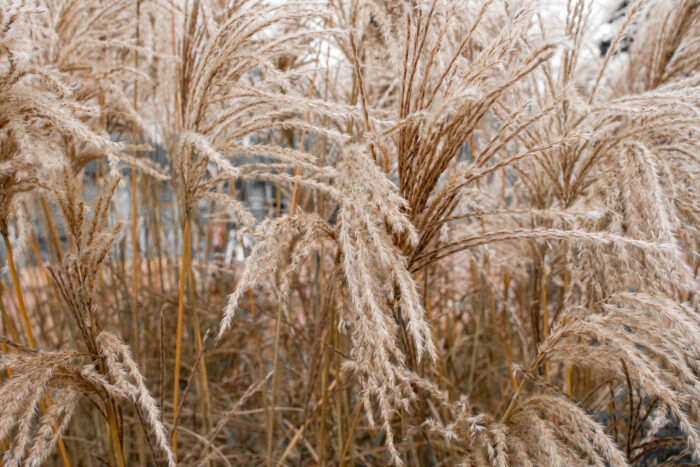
{"points": [[30, 335], [178, 336]]}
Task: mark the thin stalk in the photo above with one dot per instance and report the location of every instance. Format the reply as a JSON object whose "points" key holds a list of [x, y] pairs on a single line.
{"points": [[59, 311], [52, 229], [134, 206], [475, 347], [300, 430], [516, 396], [31, 239], [178, 338], [18, 294], [162, 248], [324, 397], [504, 331], [7, 323], [30, 334], [545, 317], [199, 348], [338, 400], [566, 293], [5, 446], [113, 427], [429, 316], [258, 344], [155, 233], [513, 401], [278, 330], [348, 440], [140, 441], [3, 349], [197, 362], [115, 434], [275, 381]]}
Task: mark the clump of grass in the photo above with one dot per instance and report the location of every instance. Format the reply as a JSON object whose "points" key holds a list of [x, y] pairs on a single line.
{"points": [[478, 242]]}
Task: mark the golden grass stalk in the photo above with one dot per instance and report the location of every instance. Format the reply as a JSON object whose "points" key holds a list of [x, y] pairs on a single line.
{"points": [[178, 337], [30, 334], [485, 188]]}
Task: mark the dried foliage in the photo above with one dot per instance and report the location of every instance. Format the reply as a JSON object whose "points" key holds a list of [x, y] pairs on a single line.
{"points": [[478, 241]]}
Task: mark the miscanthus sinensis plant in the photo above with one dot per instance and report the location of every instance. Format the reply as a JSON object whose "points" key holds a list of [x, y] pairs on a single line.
{"points": [[450, 232]]}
